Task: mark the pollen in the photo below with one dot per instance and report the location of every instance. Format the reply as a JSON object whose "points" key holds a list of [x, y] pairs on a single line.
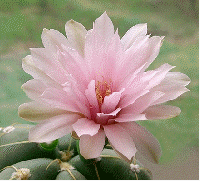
{"points": [[102, 89]]}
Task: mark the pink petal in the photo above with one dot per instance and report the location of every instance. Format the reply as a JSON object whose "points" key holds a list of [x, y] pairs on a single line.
{"points": [[103, 27], [144, 141], [154, 48], [173, 85], [33, 88], [59, 99], [85, 126], [74, 65], [142, 52], [101, 47], [112, 54], [160, 75], [161, 112], [66, 99], [47, 61], [38, 111], [79, 97], [103, 118], [91, 96], [92, 146], [53, 128], [76, 35], [110, 102], [135, 57], [131, 35], [136, 86], [134, 89], [129, 99], [120, 140], [142, 103], [30, 68], [101, 58], [134, 81]]}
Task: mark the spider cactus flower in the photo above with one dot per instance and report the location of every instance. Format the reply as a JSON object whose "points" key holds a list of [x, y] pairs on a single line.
{"points": [[95, 84]]}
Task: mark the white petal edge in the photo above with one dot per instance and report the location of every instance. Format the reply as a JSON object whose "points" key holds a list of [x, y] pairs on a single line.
{"points": [[52, 39], [76, 33], [130, 117], [161, 112], [38, 111], [131, 35]]}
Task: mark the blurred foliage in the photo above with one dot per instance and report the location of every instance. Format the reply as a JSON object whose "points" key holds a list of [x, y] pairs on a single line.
{"points": [[22, 22]]}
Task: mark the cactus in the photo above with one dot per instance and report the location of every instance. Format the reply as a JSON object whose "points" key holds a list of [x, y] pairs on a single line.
{"points": [[60, 160]]}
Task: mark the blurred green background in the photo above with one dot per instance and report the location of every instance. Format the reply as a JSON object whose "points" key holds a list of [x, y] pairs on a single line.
{"points": [[22, 22]]}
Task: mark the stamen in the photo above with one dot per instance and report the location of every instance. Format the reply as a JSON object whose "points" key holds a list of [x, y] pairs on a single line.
{"points": [[102, 89]]}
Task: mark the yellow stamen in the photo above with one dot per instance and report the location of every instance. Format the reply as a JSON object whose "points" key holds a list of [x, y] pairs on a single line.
{"points": [[102, 89]]}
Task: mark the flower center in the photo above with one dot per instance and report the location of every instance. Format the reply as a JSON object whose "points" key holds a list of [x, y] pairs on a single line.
{"points": [[102, 89]]}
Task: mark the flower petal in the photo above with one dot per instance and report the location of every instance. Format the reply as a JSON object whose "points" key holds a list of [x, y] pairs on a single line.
{"points": [[142, 103], [161, 112], [130, 36], [110, 102], [92, 146], [76, 35], [85, 126], [142, 52], [120, 140], [74, 65], [30, 68], [103, 27], [38, 111], [160, 75], [33, 88], [130, 117], [53, 128], [173, 85], [91, 96], [53, 39], [144, 141], [47, 61], [154, 44], [102, 118], [60, 99], [171, 93], [177, 78]]}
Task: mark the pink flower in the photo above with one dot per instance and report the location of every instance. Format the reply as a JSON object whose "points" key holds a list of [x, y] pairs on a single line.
{"points": [[95, 84]]}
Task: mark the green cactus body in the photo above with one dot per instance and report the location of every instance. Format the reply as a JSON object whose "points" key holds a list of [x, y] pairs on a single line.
{"points": [[110, 166], [65, 175], [37, 169], [67, 148], [19, 148], [66, 142]]}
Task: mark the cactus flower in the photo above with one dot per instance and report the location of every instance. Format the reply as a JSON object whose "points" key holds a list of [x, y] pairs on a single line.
{"points": [[95, 84]]}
